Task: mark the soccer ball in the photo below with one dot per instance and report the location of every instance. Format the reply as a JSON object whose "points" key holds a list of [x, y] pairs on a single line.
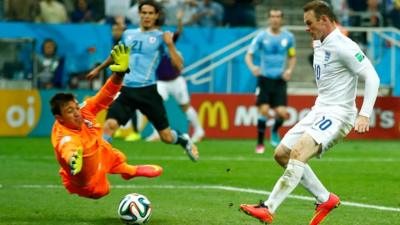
{"points": [[134, 209]]}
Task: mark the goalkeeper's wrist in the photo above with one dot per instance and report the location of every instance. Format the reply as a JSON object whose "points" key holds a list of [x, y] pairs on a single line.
{"points": [[123, 73]]}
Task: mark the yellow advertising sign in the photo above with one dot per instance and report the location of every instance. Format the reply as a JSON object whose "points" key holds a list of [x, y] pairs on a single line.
{"points": [[212, 111], [19, 111]]}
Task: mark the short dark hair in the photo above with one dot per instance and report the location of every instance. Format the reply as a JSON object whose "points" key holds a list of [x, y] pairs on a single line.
{"points": [[274, 9], [320, 8], [159, 9], [59, 100]]}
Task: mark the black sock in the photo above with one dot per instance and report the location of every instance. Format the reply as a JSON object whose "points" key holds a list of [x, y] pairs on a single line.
{"points": [[180, 139], [261, 131], [278, 123], [134, 122]]}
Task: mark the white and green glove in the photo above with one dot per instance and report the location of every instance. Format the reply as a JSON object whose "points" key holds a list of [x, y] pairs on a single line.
{"points": [[76, 162], [120, 56]]}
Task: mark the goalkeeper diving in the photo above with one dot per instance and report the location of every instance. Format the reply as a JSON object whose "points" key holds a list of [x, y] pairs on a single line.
{"points": [[85, 158]]}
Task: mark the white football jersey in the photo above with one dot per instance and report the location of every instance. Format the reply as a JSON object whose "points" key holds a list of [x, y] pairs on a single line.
{"points": [[337, 62]]}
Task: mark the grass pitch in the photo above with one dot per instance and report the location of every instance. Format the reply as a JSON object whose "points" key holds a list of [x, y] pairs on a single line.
{"points": [[365, 174]]}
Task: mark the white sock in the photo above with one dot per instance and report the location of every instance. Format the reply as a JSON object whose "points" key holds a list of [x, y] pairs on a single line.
{"points": [[286, 184], [193, 118], [313, 185]]}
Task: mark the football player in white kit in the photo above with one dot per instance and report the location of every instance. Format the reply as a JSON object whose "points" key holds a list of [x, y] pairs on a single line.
{"points": [[338, 62]]}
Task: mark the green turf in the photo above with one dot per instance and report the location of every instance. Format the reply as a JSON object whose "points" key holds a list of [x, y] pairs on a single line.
{"points": [[364, 172]]}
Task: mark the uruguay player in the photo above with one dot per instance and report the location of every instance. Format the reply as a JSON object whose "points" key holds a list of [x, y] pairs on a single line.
{"points": [[276, 48], [147, 45]]}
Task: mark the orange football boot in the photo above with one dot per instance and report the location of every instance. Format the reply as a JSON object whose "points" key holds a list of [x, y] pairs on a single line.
{"points": [[259, 212], [323, 209], [145, 171]]}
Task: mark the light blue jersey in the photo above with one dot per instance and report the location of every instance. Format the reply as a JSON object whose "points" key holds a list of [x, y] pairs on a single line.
{"points": [[273, 51], [146, 51]]}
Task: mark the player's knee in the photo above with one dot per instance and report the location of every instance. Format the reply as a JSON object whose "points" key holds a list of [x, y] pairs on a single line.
{"points": [[295, 154], [283, 114], [281, 157]]}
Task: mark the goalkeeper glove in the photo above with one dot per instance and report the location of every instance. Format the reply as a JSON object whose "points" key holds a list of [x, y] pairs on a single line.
{"points": [[120, 56], [75, 162]]}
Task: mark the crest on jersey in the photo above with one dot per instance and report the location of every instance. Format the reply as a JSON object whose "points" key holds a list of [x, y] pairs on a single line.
{"points": [[88, 123], [359, 56], [129, 37], [284, 42], [327, 56], [152, 40]]}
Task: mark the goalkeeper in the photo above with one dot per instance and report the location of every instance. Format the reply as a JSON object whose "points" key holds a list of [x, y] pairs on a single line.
{"points": [[85, 158]]}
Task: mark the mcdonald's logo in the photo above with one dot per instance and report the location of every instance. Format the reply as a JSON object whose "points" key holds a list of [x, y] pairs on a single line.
{"points": [[212, 111]]}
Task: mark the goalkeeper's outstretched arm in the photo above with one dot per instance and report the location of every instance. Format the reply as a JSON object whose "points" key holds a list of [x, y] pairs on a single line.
{"points": [[106, 95]]}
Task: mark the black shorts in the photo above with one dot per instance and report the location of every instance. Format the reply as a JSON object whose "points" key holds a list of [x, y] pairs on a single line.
{"points": [[145, 99], [271, 91]]}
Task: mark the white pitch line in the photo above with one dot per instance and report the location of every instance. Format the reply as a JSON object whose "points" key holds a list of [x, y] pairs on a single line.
{"points": [[212, 187], [217, 158]]}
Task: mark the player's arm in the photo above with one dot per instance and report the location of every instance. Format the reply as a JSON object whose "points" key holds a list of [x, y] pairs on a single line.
{"points": [[255, 70], [287, 74], [355, 60], [94, 72], [370, 93], [70, 153], [106, 95], [176, 58], [248, 58]]}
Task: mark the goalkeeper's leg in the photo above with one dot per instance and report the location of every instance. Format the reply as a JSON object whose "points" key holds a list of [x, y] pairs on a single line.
{"points": [[116, 162]]}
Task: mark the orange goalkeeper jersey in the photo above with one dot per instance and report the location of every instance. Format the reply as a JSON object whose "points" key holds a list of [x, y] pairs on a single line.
{"points": [[66, 141]]}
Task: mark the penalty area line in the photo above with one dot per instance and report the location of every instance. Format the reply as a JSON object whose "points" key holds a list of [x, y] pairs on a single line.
{"points": [[208, 187]]}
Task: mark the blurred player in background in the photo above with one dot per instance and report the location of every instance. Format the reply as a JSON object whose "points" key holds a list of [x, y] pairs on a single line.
{"points": [[338, 62], [276, 47], [170, 82], [85, 158], [139, 91], [116, 33]]}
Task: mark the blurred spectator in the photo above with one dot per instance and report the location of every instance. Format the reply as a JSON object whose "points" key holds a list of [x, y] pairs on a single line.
{"points": [[116, 12], [2, 3], [209, 14], [189, 8], [21, 10], [356, 7], [69, 5], [171, 8], [395, 14], [52, 11], [82, 12], [374, 18], [98, 9], [133, 14], [239, 13], [341, 11], [119, 20], [50, 67]]}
